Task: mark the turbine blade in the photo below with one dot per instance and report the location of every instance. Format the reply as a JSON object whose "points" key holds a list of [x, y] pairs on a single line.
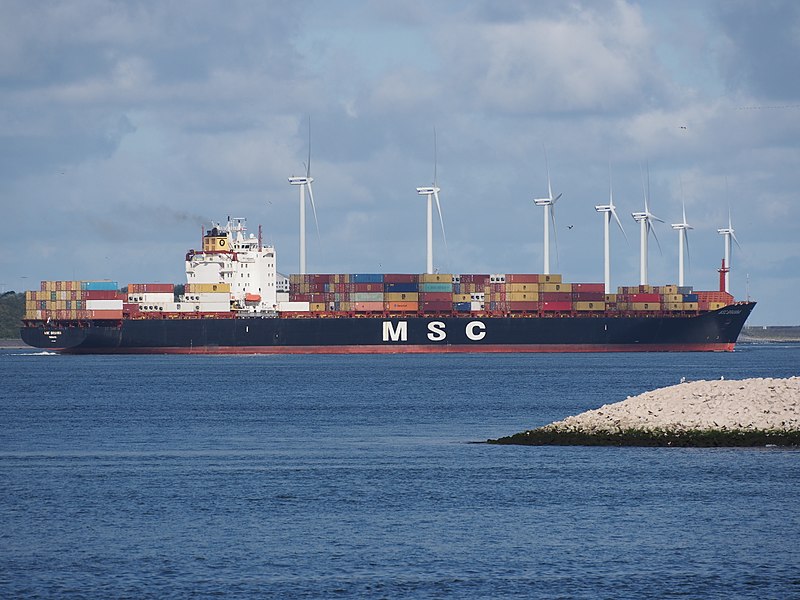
{"points": [[555, 231], [435, 162], [650, 228], [733, 235], [556, 198], [441, 218], [547, 168], [621, 228], [313, 208], [308, 168], [686, 244]]}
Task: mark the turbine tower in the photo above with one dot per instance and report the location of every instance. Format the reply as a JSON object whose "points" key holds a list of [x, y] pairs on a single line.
{"points": [[432, 192], [549, 216], [305, 182], [683, 241], [728, 233], [607, 210], [645, 220]]}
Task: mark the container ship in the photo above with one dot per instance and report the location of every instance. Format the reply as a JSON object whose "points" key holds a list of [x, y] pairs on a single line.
{"points": [[235, 301]]}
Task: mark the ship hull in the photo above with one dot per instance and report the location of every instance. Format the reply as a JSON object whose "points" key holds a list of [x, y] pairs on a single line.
{"points": [[711, 331]]}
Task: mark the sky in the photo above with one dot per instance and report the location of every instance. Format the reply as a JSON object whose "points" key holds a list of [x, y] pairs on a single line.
{"points": [[125, 127]]}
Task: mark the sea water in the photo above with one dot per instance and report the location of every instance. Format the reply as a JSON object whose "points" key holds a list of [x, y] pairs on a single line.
{"points": [[355, 476]]}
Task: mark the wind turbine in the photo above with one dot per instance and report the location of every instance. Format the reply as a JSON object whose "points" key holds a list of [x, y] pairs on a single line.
{"points": [[432, 192], [683, 239], [645, 220], [607, 210], [305, 182], [549, 215], [728, 233]]}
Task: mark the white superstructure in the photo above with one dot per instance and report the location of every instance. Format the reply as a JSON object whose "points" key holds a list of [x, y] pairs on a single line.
{"points": [[232, 257]]}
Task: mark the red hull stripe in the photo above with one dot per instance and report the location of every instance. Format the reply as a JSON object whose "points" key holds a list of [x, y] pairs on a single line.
{"points": [[414, 349]]}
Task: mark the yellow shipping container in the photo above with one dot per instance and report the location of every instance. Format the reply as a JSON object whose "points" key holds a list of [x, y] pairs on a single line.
{"points": [[673, 306], [588, 306], [671, 298], [201, 288], [645, 306], [522, 296], [401, 297], [555, 287], [644, 289], [549, 278], [462, 298], [717, 305], [436, 278], [611, 297], [522, 287], [318, 307]]}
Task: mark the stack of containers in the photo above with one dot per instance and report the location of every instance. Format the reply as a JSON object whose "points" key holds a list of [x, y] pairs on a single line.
{"points": [[74, 300], [554, 295], [713, 300], [401, 292], [366, 292], [208, 297], [474, 285], [522, 292], [436, 292], [588, 297]]}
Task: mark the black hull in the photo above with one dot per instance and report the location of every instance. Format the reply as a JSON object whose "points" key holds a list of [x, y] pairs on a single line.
{"points": [[711, 331]]}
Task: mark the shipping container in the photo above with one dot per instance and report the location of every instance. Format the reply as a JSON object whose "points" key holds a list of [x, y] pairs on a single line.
{"points": [[549, 278], [401, 278], [518, 306], [497, 278], [436, 297], [293, 306], [97, 285], [402, 306], [522, 287], [645, 297], [366, 278], [462, 306], [555, 287], [436, 287], [144, 288], [366, 297], [436, 278], [476, 306], [517, 278], [522, 296], [436, 306], [669, 290], [102, 305], [318, 307], [368, 306], [686, 289], [206, 287], [589, 287], [461, 298], [104, 314], [402, 287], [671, 298], [646, 306], [588, 296], [690, 297], [555, 297], [589, 306], [556, 306]]}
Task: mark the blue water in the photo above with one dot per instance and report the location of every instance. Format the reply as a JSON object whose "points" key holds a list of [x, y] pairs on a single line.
{"points": [[353, 476]]}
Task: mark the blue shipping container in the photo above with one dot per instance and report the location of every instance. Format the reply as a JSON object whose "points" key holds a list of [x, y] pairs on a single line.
{"points": [[690, 297], [463, 306], [99, 285], [366, 278]]}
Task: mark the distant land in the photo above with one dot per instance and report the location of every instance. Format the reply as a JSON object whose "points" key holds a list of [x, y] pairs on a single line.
{"points": [[770, 334]]}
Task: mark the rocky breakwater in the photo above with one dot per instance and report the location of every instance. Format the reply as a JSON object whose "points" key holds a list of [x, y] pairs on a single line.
{"points": [[749, 412]]}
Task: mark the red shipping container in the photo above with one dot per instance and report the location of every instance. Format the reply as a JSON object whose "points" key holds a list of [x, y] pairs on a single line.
{"points": [[555, 297], [436, 306], [436, 297], [104, 294], [522, 306], [521, 278], [400, 278], [645, 298], [557, 306], [589, 287], [300, 297], [587, 296]]}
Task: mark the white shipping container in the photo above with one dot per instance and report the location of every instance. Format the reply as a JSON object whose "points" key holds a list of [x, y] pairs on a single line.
{"points": [[103, 304], [293, 306], [151, 297], [476, 305], [207, 297]]}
